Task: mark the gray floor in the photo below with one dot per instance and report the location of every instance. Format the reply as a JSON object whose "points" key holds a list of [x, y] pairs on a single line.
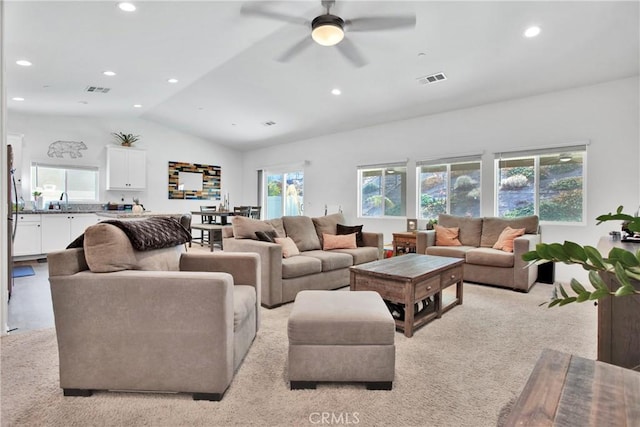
{"points": [[30, 304]]}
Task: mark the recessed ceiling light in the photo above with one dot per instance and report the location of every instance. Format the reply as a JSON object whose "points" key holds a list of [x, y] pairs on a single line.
{"points": [[532, 31], [137, 105], [23, 62], [83, 102], [336, 91], [172, 80], [109, 73], [126, 6], [421, 54], [17, 98]]}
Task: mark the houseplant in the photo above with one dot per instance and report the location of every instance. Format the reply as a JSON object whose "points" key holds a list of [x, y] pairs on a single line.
{"points": [[623, 264], [125, 139]]}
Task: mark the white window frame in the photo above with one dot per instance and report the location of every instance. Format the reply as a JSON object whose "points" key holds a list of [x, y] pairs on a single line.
{"points": [[448, 162], [536, 154], [383, 167], [95, 169]]}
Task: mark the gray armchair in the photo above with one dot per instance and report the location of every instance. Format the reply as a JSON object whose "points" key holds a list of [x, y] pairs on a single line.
{"points": [[171, 331]]}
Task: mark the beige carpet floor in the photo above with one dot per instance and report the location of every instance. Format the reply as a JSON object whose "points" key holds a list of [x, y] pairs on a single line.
{"points": [[460, 370]]}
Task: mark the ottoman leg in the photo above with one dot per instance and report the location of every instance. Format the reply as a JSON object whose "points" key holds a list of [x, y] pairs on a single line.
{"points": [[382, 385], [302, 385]]}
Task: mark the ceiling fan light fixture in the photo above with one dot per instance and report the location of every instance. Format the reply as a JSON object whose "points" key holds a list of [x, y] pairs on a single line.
{"points": [[327, 30]]}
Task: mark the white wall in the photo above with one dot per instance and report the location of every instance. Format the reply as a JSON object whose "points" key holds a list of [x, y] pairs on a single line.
{"points": [[161, 143], [605, 114]]}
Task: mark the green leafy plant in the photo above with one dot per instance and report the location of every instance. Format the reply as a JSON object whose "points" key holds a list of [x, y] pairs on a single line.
{"points": [[37, 193], [126, 139], [623, 264]]}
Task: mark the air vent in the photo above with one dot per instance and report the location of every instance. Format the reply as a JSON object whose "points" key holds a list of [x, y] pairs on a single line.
{"points": [[433, 78], [269, 123], [97, 89]]}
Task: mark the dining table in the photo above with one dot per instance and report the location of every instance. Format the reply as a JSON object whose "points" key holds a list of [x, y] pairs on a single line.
{"points": [[209, 215]]}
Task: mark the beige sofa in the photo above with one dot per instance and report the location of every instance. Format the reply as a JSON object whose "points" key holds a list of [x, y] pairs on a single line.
{"points": [[156, 320], [483, 264], [314, 268]]}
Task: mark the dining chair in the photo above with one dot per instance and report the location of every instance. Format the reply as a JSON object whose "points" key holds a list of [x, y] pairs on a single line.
{"points": [[254, 212], [241, 210]]}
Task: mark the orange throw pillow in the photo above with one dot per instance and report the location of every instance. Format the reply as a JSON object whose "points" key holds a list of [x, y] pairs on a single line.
{"points": [[505, 240], [339, 241], [447, 236]]}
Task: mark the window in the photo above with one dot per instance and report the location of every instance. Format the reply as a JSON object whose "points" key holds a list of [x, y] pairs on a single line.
{"points": [[548, 183], [79, 183], [283, 193], [449, 186], [382, 190]]}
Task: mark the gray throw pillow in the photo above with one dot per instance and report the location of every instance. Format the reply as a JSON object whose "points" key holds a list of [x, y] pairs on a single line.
{"points": [[327, 224], [302, 231]]}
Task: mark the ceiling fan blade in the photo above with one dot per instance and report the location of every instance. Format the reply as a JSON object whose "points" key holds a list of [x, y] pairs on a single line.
{"points": [[295, 50], [375, 23], [252, 9], [349, 51]]}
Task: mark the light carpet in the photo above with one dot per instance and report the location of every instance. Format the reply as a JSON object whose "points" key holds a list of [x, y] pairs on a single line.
{"points": [[461, 370]]}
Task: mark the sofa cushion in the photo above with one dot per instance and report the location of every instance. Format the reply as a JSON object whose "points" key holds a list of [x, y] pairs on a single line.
{"points": [[277, 224], [334, 241], [447, 236], [107, 248], [505, 240], [300, 266], [348, 229], [327, 224], [330, 260], [493, 226], [289, 248], [451, 251], [245, 227], [302, 231], [244, 302], [489, 257], [361, 255], [470, 228]]}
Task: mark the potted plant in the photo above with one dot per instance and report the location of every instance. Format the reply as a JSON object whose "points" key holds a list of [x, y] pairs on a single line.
{"points": [[431, 224], [137, 207], [38, 200], [623, 264], [125, 139]]}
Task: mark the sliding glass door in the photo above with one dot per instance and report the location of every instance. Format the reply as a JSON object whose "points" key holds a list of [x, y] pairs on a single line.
{"points": [[284, 192]]}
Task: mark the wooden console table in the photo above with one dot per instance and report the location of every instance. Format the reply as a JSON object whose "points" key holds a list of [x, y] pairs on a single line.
{"points": [[404, 243], [566, 390]]}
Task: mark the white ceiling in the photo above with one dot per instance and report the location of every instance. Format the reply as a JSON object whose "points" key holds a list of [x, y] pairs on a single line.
{"points": [[230, 83]]}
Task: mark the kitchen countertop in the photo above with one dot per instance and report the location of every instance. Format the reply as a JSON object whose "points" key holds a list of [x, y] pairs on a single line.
{"points": [[129, 214], [56, 212]]}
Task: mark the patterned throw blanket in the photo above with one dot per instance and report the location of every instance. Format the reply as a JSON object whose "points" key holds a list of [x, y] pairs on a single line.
{"points": [[149, 233]]}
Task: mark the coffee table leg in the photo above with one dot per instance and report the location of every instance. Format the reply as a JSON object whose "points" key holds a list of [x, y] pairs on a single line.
{"points": [[408, 318], [459, 290]]}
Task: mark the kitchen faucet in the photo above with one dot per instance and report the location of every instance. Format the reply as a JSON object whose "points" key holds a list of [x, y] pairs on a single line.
{"points": [[66, 200]]}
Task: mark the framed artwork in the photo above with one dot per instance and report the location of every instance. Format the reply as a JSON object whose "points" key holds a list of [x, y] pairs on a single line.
{"points": [[194, 181], [412, 225]]}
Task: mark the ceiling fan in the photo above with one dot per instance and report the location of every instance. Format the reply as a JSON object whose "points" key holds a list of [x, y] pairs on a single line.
{"points": [[329, 30]]}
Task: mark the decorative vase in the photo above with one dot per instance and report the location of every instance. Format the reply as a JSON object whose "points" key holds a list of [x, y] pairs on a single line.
{"points": [[39, 202], [137, 209]]}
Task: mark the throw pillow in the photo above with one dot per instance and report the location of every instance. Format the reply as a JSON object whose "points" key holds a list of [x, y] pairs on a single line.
{"points": [[302, 231], [289, 247], [335, 241], [505, 240], [267, 236], [447, 236], [327, 224], [348, 229], [245, 227], [107, 249]]}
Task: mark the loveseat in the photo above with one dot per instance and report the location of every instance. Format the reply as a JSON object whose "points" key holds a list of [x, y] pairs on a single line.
{"points": [[151, 320], [476, 238], [314, 268]]}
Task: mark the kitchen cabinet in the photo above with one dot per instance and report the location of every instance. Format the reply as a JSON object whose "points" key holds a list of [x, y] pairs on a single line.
{"points": [[27, 240], [126, 169], [58, 230]]}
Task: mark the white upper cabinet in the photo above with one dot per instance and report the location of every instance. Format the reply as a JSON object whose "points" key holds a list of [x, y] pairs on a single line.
{"points": [[126, 169]]}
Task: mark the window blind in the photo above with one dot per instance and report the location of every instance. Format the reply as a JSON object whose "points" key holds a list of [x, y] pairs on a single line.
{"points": [[541, 151]]}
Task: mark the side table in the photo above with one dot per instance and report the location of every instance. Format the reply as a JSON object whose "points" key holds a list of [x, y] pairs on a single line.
{"points": [[404, 243]]}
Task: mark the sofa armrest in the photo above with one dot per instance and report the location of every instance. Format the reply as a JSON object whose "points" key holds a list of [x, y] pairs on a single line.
{"points": [[375, 240], [424, 239], [270, 266], [524, 277], [244, 267], [139, 323]]}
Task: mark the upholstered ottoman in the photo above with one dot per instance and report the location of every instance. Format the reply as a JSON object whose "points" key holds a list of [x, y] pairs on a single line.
{"points": [[339, 336]]}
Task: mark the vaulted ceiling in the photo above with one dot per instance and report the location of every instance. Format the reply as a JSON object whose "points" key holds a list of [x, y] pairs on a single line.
{"points": [[230, 83]]}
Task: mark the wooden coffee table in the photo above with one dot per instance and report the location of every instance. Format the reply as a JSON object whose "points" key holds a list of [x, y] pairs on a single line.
{"points": [[408, 279]]}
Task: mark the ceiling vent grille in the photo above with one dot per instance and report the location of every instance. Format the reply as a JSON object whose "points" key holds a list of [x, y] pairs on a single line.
{"points": [[97, 89], [433, 78], [269, 123]]}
